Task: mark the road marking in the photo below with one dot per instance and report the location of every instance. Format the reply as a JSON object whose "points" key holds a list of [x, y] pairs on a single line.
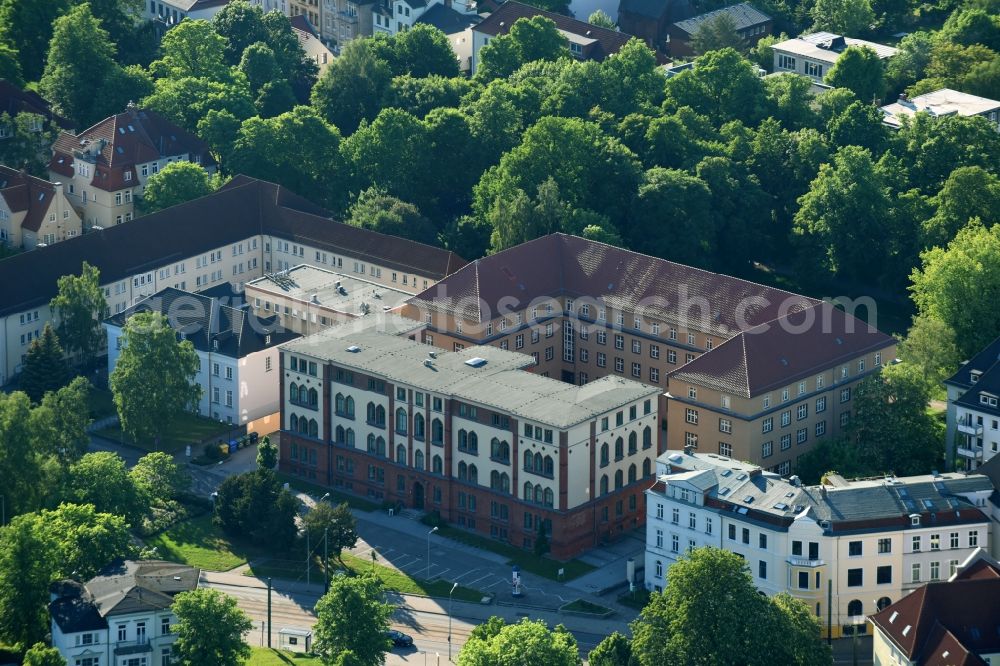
{"points": [[467, 573], [471, 583]]}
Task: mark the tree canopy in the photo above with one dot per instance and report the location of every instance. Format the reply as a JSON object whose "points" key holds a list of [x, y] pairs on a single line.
{"points": [[210, 628], [526, 642], [353, 617], [176, 183]]}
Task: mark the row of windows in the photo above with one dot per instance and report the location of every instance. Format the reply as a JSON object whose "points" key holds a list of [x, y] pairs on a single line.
{"points": [[633, 446], [647, 471]]}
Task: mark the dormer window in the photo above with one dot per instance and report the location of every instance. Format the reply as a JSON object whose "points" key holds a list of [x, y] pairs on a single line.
{"points": [[128, 176], [988, 400], [974, 376]]}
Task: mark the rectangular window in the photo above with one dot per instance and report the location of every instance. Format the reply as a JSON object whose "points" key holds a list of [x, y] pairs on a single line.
{"points": [[766, 449], [884, 546], [762, 569], [883, 575], [855, 577], [768, 424]]}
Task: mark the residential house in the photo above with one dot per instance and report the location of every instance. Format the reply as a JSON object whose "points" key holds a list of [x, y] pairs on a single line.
{"points": [[730, 357], [470, 434], [973, 418], [34, 211], [395, 16], [237, 351], [280, 6], [311, 43], [847, 549], [457, 26], [307, 8], [947, 622], [586, 41], [168, 13], [943, 102], [650, 20], [106, 166], [244, 230], [750, 23], [14, 100], [813, 55], [344, 20], [121, 616], [306, 299]]}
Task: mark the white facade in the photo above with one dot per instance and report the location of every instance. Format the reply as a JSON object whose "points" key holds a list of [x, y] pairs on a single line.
{"points": [[815, 54], [172, 12], [145, 637]]}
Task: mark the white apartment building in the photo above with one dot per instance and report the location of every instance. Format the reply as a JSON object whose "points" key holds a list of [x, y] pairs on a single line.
{"points": [[237, 352], [171, 12], [813, 55], [34, 212], [122, 616], [942, 102], [243, 231], [846, 549], [973, 433]]}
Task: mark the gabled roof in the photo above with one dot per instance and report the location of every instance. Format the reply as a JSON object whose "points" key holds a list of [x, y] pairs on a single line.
{"points": [[947, 622], [448, 20], [25, 193], [784, 350], [301, 23], [499, 22], [744, 15], [983, 361], [244, 207], [14, 100]]}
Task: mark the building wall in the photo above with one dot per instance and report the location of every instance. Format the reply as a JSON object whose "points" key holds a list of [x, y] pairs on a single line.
{"points": [[106, 640], [975, 449], [816, 70], [680, 42], [652, 31], [309, 8]]}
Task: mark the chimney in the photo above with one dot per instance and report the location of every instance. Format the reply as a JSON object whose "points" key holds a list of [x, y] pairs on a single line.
{"points": [[688, 450], [796, 481]]}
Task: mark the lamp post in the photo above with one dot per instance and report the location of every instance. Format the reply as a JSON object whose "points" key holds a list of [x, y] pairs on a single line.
{"points": [[450, 592], [309, 548], [428, 576], [326, 559]]}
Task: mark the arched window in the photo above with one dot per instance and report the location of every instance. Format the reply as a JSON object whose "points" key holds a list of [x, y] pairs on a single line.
{"points": [[538, 495], [401, 421], [495, 480], [619, 477], [349, 407], [647, 466], [633, 442], [527, 491], [463, 471], [349, 437], [604, 484], [505, 483], [371, 445], [438, 466], [527, 461], [380, 416], [473, 443], [380, 446], [293, 392], [338, 434], [313, 428], [418, 426], [293, 423], [401, 454], [313, 398], [418, 459], [505, 451], [339, 405], [463, 440], [619, 449], [495, 448], [303, 425], [631, 473], [604, 455], [371, 413], [647, 437], [538, 462], [854, 608], [473, 474], [883, 603], [437, 432], [548, 466], [549, 497]]}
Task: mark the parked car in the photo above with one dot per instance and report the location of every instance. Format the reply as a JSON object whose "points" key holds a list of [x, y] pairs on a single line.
{"points": [[399, 639]]}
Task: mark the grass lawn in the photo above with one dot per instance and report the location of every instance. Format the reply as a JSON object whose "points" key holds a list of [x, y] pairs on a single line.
{"points": [[271, 657], [391, 578], [528, 561], [101, 403], [636, 600], [582, 606], [199, 543], [318, 491], [187, 429]]}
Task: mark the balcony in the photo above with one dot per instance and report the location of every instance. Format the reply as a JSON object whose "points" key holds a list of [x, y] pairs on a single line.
{"points": [[968, 426], [138, 646], [965, 452], [796, 561]]}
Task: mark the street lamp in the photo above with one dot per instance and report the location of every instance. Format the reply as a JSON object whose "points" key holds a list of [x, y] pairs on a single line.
{"points": [[450, 592], [428, 576]]}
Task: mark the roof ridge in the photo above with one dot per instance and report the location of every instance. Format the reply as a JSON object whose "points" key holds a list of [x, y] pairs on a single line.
{"points": [[746, 365]]}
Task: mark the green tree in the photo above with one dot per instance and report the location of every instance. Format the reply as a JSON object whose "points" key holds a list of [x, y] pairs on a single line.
{"points": [[102, 480], [421, 96], [762, 54], [973, 26], [59, 423], [614, 650], [932, 148], [791, 100], [176, 183], [153, 381], [910, 62], [528, 40], [860, 70], [671, 218], [353, 616], [241, 25], [188, 100], [267, 454], [10, 68], [423, 51], [378, 211], [25, 147], [192, 49], [259, 65], [334, 523], [853, 18], [20, 454], [528, 641], [950, 284], [859, 124], [390, 150], [26, 27], [44, 366], [352, 87], [802, 629], [210, 628], [254, 505], [723, 85], [41, 655], [601, 19], [219, 128], [78, 309], [970, 192], [717, 33], [158, 477], [929, 346]]}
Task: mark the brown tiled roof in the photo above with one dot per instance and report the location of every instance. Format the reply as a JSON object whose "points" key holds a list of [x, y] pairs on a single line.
{"points": [[13, 101], [134, 137], [783, 350], [500, 21], [946, 622], [24, 192], [244, 207]]}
